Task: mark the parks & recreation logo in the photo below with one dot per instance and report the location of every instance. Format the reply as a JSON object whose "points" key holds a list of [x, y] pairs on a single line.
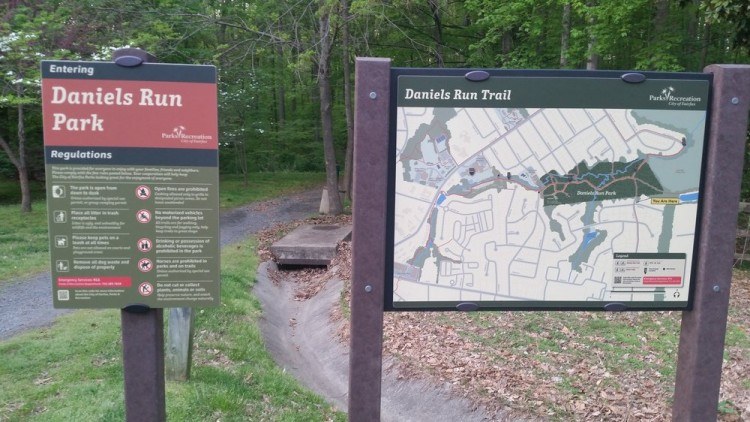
{"points": [[181, 133], [669, 96]]}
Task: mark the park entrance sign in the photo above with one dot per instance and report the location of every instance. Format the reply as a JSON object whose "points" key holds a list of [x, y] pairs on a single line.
{"points": [[131, 158], [544, 190]]}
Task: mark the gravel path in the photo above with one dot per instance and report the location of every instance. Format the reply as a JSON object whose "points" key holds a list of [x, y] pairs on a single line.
{"points": [[308, 348], [27, 303]]}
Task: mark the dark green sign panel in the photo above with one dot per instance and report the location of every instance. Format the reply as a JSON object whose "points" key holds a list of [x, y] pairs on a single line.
{"points": [[131, 160], [544, 190]]}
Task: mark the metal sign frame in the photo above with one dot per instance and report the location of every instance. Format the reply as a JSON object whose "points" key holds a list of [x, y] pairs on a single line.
{"points": [[131, 157], [553, 89]]}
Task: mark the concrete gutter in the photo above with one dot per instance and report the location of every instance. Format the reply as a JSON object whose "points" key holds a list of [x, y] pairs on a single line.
{"points": [[301, 338]]}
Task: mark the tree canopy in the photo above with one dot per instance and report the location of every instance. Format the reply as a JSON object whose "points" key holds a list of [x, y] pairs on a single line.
{"points": [[283, 64]]}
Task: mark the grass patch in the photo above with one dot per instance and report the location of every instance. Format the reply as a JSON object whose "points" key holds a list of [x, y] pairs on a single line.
{"points": [[23, 240], [10, 192], [73, 370], [262, 186]]}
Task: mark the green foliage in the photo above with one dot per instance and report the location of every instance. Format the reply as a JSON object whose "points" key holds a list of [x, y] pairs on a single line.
{"points": [[736, 13], [267, 52], [29, 34], [261, 186], [23, 241], [10, 195], [516, 34]]}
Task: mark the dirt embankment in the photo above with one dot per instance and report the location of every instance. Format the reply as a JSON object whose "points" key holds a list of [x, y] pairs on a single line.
{"points": [[303, 336]]}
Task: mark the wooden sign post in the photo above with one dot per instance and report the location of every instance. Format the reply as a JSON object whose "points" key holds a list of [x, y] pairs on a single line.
{"points": [[143, 364], [372, 81], [180, 343], [131, 158], [714, 202], [701, 349], [142, 329]]}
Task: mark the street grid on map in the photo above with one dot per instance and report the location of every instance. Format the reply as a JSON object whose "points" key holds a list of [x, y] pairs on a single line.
{"points": [[533, 204]]}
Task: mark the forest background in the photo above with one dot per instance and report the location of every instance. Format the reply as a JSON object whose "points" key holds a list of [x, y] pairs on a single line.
{"points": [[286, 67]]}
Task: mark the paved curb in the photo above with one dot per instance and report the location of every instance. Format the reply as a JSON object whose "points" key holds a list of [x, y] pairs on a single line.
{"points": [[310, 244]]}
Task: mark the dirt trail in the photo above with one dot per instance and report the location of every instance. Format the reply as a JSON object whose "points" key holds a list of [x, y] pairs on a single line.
{"points": [[27, 303]]}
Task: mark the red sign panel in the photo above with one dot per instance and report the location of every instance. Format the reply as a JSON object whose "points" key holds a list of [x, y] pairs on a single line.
{"points": [[131, 161], [129, 113], [662, 280], [89, 282]]}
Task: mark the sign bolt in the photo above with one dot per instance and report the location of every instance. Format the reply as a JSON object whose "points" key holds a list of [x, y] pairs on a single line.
{"points": [[735, 100], [368, 288], [717, 289], [373, 95]]}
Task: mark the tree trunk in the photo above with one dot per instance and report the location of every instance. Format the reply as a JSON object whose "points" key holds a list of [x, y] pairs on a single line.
{"points": [[241, 157], [592, 63], [506, 43], [659, 32], [705, 44], [438, 36], [349, 158], [23, 172], [661, 17], [23, 178], [326, 114], [565, 36], [280, 90], [19, 161], [280, 105]]}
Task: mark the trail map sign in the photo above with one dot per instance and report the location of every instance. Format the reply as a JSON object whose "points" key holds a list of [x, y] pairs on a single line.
{"points": [[558, 190], [132, 179]]}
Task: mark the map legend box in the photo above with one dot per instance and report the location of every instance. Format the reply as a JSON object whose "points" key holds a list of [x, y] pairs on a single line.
{"points": [[648, 270]]}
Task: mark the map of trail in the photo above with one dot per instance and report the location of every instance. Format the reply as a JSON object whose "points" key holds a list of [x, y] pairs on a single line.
{"points": [[545, 204]]}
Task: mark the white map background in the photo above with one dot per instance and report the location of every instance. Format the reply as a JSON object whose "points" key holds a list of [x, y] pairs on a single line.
{"points": [[476, 217]]}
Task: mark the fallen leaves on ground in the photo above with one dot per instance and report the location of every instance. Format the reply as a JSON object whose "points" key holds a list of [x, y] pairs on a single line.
{"points": [[548, 365], [309, 280]]}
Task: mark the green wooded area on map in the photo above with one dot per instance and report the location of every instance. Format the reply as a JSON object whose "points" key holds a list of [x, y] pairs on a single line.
{"points": [[603, 181]]}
